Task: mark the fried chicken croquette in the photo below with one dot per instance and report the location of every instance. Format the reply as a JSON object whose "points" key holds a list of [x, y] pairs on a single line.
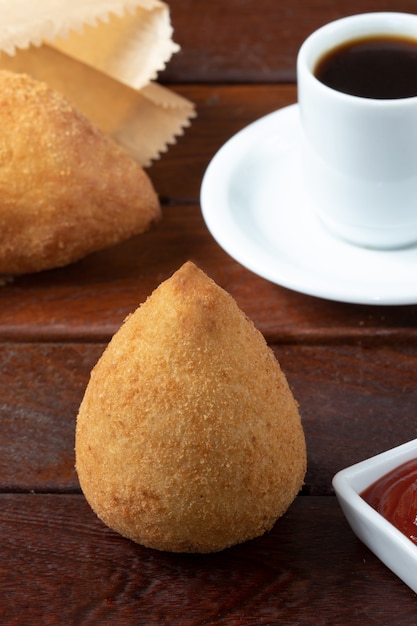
{"points": [[66, 189], [188, 438]]}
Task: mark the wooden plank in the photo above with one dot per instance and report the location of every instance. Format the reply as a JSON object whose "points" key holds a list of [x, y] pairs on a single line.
{"points": [[59, 564], [351, 369], [222, 110], [354, 401], [41, 388], [248, 40], [89, 300]]}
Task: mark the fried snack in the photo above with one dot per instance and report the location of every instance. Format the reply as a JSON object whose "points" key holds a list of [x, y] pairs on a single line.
{"points": [[66, 189], [188, 438]]}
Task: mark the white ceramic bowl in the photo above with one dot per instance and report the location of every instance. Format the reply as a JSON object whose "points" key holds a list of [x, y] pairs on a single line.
{"points": [[393, 548]]}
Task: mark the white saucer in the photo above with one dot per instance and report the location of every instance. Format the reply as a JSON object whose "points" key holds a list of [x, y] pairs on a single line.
{"points": [[252, 202]]}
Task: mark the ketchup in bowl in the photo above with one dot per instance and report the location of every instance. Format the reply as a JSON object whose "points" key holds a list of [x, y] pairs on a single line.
{"points": [[395, 497]]}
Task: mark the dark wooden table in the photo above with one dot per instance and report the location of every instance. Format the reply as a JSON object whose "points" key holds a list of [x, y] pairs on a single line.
{"points": [[351, 367]]}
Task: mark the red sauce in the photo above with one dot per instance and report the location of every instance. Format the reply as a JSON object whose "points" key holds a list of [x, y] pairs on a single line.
{"points": [[395, 497]]}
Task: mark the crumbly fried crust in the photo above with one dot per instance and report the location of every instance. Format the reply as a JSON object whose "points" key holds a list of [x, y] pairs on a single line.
{"points": [[188, 438], [66, 189]]}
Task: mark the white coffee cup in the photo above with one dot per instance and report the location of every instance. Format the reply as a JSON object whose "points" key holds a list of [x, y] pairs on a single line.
{"points": [[359, 154]]}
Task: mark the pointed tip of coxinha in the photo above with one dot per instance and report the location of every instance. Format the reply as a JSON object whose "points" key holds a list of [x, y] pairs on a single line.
{"points": [[188, 437]]}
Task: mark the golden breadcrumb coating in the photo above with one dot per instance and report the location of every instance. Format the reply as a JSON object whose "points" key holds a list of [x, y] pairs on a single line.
{"points": [[188, 438], [66, 189]]}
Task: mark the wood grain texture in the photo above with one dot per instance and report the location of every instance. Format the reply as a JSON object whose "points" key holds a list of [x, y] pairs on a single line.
{"points": [[89, 299], [60, 565], [41, 387], [355, 402], [222, 110], [351, 368], [252, 41]]}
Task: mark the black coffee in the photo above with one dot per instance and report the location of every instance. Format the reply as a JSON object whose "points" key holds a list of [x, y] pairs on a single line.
{"points": [[381, 67]]}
